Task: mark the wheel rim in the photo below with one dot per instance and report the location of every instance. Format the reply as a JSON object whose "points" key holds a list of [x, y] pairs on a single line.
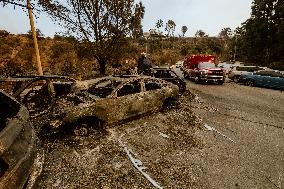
{"points": [[196, 79]]}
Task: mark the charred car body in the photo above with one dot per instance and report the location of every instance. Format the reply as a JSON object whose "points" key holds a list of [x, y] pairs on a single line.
{"points": [[202, 68], [113, 99], [107, 99], [37, 93], [169, 75], [18, 143]]}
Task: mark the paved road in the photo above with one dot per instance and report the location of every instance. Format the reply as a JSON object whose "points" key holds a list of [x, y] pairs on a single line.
{"points": [[247, 148]]}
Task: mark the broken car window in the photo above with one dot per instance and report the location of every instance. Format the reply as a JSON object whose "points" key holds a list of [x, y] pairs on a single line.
{"points": [[129, 88], [151, 85], [103, 89]]}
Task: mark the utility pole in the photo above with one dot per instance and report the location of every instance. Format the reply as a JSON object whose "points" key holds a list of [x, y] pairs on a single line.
{"points": [[146, 36], [235, 50], [39, 68]]}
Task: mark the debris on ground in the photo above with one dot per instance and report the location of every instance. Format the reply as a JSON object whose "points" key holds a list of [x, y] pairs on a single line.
{"points": [[97, 159]]}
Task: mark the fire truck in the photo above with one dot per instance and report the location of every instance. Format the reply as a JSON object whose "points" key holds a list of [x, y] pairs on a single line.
{"points": [[202, 68]]}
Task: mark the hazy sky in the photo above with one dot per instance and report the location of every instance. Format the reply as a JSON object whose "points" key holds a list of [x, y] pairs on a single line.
{"points": [[208, 15]]}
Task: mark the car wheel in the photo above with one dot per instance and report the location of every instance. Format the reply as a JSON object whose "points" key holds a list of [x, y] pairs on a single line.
{"points": [[251, 83], [186, 75], [236, 79], [197, 80], [220, 82], [170, 103]]}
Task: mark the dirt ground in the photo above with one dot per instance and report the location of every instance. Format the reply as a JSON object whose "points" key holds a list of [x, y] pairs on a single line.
{"points": [[168, 144]]}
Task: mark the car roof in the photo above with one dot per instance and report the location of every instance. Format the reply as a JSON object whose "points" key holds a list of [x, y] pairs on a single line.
{"points": [[81, 85]]}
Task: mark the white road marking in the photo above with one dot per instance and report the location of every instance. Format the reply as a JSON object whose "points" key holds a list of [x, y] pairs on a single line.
{"points": [[213, 129]]}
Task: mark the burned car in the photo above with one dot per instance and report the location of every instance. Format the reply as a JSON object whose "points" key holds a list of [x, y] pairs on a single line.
{"points": [[113, 99], [37, 93], [60, 100], [169, 75], [18, 143]]}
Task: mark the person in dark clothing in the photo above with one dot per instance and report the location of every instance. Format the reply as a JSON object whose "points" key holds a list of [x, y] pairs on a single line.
{"points": [[144, 65]]}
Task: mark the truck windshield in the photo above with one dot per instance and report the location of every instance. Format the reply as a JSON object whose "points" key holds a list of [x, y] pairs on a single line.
{"points": [[206, 65]]}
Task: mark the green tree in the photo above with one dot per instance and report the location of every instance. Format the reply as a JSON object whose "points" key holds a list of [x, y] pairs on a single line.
{"points": [[170, 27], [184, 30], [225, 33], [200, 33], [39, 34], [159, 24], [4, 33], [102, 25], [225, 36], [261, 36]]}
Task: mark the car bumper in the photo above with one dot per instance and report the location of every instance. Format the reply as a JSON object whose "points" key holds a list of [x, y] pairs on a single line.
{"points": [[212, 78]]}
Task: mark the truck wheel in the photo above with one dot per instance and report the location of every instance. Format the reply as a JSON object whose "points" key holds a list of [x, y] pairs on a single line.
{"points": [[220, 82], [197, 80]]}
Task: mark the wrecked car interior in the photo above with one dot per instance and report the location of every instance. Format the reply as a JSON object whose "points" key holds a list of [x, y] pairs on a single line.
{"points": [[169, 75], [18, 143]]}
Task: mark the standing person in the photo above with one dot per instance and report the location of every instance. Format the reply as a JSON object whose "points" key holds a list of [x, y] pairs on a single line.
{"points": [[144, 65], [140, 63]]}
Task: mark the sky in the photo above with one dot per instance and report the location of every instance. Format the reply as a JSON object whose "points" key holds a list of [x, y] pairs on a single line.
{"points": [[207, 15]]}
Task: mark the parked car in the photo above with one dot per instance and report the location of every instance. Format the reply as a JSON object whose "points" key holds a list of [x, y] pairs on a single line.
{"points": [[18, 143], [169, 75], [264, 78], [226, 67], [235, 72]]}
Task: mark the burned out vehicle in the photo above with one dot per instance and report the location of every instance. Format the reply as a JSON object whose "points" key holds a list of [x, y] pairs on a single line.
{"points": [[18, 143], [61, 100], [169, 75], [37, 93], [113, 99]]}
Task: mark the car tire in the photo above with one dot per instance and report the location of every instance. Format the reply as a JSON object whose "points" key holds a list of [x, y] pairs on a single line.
{"points": [[236, 79], [251, 83], [186, 75], [170, 103], [197, 80], [220, 82]]}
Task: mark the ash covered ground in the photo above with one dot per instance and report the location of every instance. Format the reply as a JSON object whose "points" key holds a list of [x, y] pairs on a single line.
{"points": [[168, 144]]}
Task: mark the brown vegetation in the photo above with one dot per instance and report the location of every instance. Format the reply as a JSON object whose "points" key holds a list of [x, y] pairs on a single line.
{"points": [[67, 56]]}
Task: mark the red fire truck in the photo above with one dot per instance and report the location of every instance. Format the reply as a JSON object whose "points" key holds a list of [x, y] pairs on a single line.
{"points": [[202, 68]]}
